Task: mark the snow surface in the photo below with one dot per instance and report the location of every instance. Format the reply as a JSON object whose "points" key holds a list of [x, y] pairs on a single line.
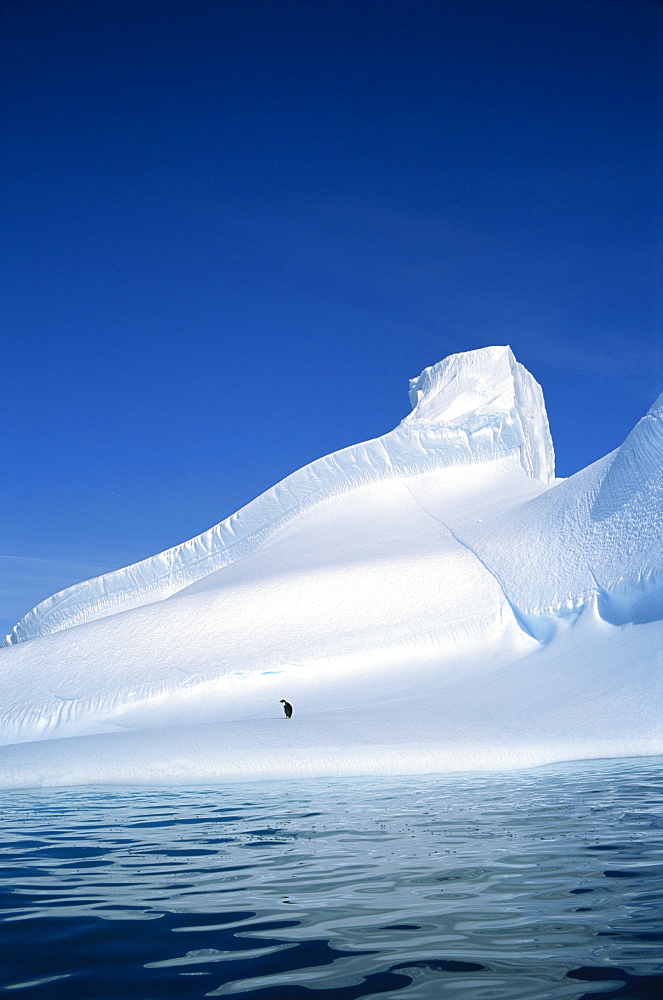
{"points": [[429, 600]]}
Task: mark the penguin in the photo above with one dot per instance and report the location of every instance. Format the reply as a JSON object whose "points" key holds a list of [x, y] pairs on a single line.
{"points": [[287, 708]]}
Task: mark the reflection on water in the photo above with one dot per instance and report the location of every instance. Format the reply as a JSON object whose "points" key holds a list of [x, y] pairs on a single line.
{"points": [[534, 884]]}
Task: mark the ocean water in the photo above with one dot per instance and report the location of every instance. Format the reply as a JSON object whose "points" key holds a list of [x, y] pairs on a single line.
{"points": [[545, 883]]}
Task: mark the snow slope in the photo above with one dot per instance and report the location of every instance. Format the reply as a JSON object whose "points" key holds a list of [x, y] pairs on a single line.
{"points": [[429, 600]]}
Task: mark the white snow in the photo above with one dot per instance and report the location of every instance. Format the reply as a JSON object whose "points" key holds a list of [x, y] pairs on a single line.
{"points": [[429, 600]]}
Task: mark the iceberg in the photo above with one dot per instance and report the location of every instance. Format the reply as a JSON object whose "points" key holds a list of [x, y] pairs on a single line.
{"points": [[430, 600]]}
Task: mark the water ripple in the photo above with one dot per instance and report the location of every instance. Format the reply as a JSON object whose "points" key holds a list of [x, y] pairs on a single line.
{"points": [[538, 885]]}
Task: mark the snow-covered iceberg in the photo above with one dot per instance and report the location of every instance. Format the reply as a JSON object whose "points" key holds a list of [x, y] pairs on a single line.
{"points": [[432, 599]]}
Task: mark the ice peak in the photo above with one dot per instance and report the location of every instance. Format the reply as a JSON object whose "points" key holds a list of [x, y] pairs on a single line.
{"points": [[466, 389]]}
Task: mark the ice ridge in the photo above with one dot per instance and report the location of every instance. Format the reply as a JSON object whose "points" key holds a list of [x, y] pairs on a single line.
{"points": [[478, 406]]}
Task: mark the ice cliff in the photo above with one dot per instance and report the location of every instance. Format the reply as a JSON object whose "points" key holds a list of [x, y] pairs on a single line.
{"points": [[431, 599]]}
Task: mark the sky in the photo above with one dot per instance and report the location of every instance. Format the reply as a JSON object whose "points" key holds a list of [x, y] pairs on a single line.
{"points": [[231, 231]]}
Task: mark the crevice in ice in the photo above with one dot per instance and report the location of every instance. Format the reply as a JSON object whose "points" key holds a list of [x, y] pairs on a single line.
{"points": [[539, 628]]}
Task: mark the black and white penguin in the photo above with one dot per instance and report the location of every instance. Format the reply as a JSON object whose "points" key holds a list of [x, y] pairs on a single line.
{"points": [[287, 708]]}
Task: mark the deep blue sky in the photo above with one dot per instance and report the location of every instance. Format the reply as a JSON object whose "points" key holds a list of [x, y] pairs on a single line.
{"points": [[231, 231]]}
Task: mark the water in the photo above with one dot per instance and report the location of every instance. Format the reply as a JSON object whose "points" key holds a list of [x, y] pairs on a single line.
{"points": [[535, 884]]}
